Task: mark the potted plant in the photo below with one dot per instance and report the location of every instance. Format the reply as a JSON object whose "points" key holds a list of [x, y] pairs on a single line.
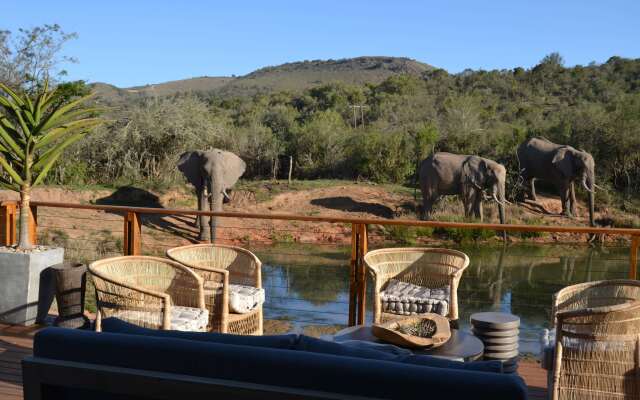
{"points": [[35, 129]]}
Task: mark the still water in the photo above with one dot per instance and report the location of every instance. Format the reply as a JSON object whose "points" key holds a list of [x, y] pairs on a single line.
{"points": [[309, 285]]}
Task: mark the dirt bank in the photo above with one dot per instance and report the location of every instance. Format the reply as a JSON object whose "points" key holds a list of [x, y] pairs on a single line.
{"points": [[337, 199]]}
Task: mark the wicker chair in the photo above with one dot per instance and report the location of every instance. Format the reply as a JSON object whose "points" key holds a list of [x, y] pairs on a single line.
{"points": [[221, 266], [426, 267], [597, 341], [148, 291]]}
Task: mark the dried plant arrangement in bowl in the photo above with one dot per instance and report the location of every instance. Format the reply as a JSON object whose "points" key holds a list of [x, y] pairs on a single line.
{"points": [[426, 330]]}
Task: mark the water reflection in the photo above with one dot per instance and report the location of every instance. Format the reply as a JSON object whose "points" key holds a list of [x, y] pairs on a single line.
{"points": [[310, 286]]}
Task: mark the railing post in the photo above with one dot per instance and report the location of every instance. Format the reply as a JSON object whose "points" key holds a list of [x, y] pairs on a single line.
{"points": [[132, 234], [33, 224], [8, 223], [633, 257], [353, 272], [362, 273]]}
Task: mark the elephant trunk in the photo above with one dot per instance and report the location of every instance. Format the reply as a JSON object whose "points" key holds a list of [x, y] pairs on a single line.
{"points": [[590, 183], [499, 196], [215, 203]]}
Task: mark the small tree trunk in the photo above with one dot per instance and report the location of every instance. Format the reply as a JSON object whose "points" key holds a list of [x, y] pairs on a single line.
{"points": [[290, 168], [25, 200]]}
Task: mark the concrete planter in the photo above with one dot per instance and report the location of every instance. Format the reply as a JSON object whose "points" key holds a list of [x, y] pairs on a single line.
{"points": [[26, 285]]}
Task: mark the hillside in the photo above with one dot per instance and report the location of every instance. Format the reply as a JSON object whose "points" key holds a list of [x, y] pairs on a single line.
{"points": [[293, 77], [200, 84], [297, 76]]}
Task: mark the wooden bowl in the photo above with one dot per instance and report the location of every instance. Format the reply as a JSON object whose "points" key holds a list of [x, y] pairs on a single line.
{"points": [[388, 332]]}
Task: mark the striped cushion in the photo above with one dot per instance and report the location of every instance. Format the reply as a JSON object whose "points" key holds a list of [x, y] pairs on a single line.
{"points": [[405, 298]]}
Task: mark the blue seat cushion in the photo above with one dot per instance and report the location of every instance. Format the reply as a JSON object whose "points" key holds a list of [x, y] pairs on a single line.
{"points": [[314, 345], [115, 325], [429, 361], [270, 366]]}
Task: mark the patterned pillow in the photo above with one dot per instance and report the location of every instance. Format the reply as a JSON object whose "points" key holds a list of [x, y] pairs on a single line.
{"points": [[244, 299], [408, 299]]}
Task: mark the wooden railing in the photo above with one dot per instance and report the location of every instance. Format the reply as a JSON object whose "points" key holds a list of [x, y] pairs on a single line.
{"points": [[132, 231]]}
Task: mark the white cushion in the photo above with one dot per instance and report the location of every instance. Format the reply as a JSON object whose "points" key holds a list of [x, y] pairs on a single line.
{"points": [[182, 318], [189, 319], [408, 299], [244, 299]]}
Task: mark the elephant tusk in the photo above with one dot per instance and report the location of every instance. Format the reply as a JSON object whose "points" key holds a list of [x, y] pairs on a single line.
{"points": [[502, 203], [600, 187], [224, 193], [584, 183]]}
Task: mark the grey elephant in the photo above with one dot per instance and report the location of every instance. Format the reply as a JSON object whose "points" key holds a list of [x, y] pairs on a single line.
{"points": [[560, 165], [212, 173], [467, 176]]}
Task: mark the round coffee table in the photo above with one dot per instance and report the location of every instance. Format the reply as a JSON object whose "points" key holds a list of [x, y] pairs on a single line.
{"points": [[461, 346]]}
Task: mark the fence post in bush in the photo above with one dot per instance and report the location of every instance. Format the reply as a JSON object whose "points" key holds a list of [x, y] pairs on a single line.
{"points": [[33, 224], [132, 234], [633, 257], [8, 223]]}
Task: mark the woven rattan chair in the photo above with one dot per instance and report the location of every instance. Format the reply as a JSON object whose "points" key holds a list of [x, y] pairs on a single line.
{"points": [[426, 267], [148, 291], [597, 339], [221, 266]]}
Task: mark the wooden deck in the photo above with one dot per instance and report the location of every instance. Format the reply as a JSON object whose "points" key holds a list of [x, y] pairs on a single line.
{"points": [[17, 343]]}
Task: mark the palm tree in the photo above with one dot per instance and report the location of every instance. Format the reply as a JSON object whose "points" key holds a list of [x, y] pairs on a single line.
{"points": [[35, 129]]}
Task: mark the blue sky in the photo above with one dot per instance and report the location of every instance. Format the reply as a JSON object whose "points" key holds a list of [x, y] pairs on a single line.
{"points": [[135, 42]]}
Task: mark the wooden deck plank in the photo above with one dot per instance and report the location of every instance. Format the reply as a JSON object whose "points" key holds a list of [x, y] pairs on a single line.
{"points": [[17, 343]]}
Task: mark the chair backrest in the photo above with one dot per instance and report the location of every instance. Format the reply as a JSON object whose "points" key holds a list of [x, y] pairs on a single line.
{"points": [[428, 267], [153, 273], [243, 266], [598, 340]]}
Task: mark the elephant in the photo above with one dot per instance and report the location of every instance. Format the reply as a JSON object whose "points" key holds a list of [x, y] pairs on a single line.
{"points": [[215, 172], [561, 165], [468, 176]]}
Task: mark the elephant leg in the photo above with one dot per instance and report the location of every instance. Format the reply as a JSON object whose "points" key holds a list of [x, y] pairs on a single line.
{"points": [[203, 220], [565, 199], [427, 207], [532, 189], [572, 200], [477, 207], [467, 203], [199, 217]]}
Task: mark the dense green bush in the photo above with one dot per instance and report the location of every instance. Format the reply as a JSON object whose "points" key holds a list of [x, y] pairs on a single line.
{"points": [[405, 118]]}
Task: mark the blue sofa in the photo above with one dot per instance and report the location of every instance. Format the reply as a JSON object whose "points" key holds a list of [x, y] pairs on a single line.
{"points": [[128, 362]]}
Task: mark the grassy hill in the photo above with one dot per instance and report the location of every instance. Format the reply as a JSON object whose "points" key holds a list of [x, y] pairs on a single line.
{"points": [[293, 77], [200, 84]]}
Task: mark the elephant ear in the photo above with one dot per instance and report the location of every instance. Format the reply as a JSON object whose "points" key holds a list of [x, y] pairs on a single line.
{"points": [[233, 167], [563, 161], [473, 173], [190, 164]]}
